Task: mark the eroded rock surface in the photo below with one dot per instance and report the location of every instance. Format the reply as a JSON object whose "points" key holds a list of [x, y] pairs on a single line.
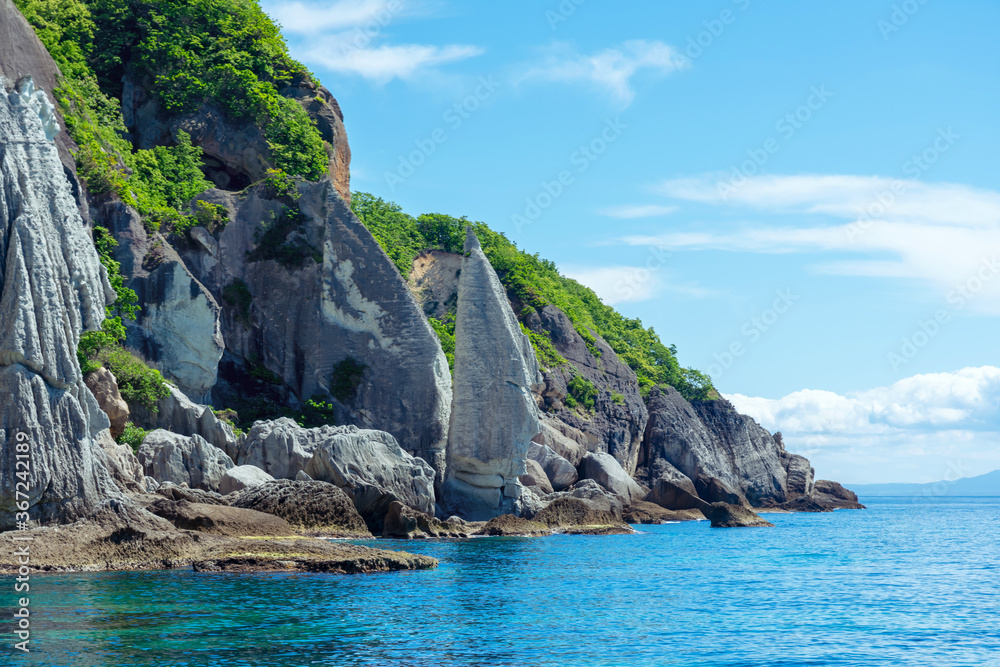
{"points": [[316, 508], [179, 459], [494, 416]]}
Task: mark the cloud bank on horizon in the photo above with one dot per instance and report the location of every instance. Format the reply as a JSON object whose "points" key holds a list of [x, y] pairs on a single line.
{"points": [[923, 428]]}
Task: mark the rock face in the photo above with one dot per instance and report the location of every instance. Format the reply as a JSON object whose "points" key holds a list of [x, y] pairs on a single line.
{"points": [[317, 508], [369, 466], [493, 415], [52, 287], [535, 476], [605, 470], [560, 472], [169, 457], [618, 419], [104, 387], [178, 327], [405, 522], [336, 320], [220, 519], [177, 413], [727, 456]]}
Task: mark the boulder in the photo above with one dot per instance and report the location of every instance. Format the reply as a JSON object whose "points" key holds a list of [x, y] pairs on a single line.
{"points": [[800, 474], [535, 476], [242, 477], [220, 519], [52, 287], [560, 472], [833, 495], [169, 457], [508, 525], [405, 522], [645, 512], [493, 414], [604, 469], [368, 465], [576, 515], [675, 494], [104, 387], [594, 496], [177, 413], [563, 439], [172, 491], [122, 463], [725, 515], [315, 508]]}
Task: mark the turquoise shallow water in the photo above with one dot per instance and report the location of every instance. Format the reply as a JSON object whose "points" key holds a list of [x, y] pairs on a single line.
{"points": [[899, 584]]}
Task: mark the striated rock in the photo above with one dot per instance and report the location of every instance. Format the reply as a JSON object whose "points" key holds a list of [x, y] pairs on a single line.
{"points": [[800, 474], [178, 327], [337, 320], [494, 415], [169, 457], [315, 508], [52, 287], [675, 493], [22, 54], [618, 419], [562, 439], [220, 519], [368, 465], [535, 476], [725, 515], [606, 471], [177, 413], [594, 496], [508, 525], [405, 522], [104, 387], [434, 281], [325, 111], [560, 472], [242, 477], [122, 463], [728, 456]]}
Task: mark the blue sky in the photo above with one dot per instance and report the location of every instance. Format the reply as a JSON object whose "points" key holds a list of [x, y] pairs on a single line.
{"points": [[802, 197]]}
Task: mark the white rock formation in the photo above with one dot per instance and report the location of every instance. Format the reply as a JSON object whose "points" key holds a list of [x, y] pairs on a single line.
{"points": [[179, 459], [493, 415], [52, 287]]}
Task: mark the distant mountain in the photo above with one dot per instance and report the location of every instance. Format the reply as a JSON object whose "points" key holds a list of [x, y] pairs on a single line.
{"points": [[983, 485]]}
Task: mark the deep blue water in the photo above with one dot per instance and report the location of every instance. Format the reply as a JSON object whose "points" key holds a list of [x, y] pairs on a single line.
{"points": [[902, 583]]}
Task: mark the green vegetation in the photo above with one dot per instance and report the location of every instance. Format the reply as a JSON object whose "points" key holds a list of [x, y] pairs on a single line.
{"points": [[138, 383], [445, 331], [617, 398], [316, 412], [132, 436], [347, 376], [229, 416], [237, 295], [534, 282], [581, 391]]}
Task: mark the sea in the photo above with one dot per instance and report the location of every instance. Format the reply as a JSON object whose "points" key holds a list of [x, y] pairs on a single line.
{"points": [[906, 582]]}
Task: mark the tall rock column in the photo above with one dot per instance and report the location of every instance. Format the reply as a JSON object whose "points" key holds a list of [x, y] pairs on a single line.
{"points": [[52, 287], [493, 414]]}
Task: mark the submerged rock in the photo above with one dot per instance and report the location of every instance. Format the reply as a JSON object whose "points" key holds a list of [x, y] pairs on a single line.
{"points": [[725, 515], [494, 416]]}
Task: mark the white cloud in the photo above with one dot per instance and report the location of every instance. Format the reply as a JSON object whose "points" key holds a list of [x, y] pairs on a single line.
{"points": [[946, 235], [384, 63], [913, 430], [350, 37], [616, 284], [630, 211], [610, 70]]}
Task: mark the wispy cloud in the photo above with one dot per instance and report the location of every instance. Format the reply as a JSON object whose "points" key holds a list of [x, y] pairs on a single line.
{"points": [[947, 235], [633, 284], [912, 430], [631, 211], [609, 70], [351, 37]]}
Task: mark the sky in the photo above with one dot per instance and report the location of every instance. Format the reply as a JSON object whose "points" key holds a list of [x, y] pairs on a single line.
{"points": [[802, 197]]}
